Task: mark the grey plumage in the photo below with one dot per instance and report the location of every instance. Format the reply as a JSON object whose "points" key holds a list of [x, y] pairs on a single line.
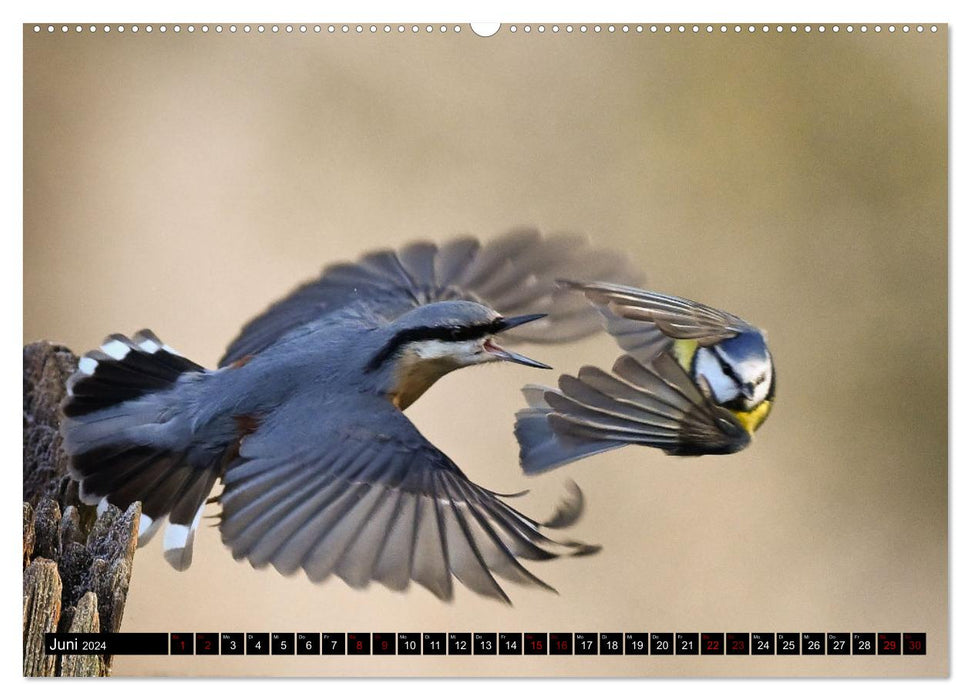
{"points": [[367, 503], [322, 471], [514, 274]]}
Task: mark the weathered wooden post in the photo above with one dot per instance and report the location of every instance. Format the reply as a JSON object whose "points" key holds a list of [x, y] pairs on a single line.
{"points": [[77, 565]]}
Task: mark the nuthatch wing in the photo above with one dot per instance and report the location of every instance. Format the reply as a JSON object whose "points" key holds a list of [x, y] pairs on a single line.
{"points": [[303, 419]]}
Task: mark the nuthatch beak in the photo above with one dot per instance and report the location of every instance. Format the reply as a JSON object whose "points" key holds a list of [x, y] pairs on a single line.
{"points": [[504, 325]]}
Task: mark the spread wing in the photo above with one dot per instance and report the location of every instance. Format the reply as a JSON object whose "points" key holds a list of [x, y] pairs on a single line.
{"points": [[514, 274], [656, 405], [646, 324], [370, 499]]}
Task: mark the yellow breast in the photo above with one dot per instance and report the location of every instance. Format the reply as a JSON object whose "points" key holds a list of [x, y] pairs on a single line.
{"points": [[684, 352], [751, 420]]}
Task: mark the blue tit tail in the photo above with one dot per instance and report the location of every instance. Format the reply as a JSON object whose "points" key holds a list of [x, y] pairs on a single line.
{"points": [[127, 441], [541, 448]]}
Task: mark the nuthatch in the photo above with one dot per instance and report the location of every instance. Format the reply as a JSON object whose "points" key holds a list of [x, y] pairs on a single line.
{"points": [[303, 419]]}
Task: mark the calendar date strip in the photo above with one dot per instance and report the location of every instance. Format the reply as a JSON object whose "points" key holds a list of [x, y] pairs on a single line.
{"points": [[489, 643]]}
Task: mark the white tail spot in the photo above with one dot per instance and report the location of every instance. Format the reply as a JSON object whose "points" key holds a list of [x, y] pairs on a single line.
{"points": [[144, 524], [176, 536], [116, 350], [177, 544], [87, 365], [147, 527]]}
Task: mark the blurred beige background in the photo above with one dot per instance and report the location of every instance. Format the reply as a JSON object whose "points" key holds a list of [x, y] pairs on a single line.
{"points": [[183, 182]]}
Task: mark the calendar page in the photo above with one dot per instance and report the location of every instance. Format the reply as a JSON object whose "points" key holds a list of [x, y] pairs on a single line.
{"points": [[546, 349]]}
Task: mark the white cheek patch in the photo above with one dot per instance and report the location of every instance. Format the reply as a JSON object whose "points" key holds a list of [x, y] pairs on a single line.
{"points": [[749, 372], [438, 349], [761, 392], [761, 389], [431, 349], [723, 386]]}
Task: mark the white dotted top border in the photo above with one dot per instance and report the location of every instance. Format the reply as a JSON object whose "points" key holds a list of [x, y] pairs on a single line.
{"points": [[455, 28]]}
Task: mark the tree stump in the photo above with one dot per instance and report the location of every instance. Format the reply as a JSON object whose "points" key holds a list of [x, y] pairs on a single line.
{"points": [[77, 564]]}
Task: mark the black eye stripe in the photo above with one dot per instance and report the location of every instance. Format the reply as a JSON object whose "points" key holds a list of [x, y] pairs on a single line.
{"points": [[726, 368], [458, 333], [454, 334]]}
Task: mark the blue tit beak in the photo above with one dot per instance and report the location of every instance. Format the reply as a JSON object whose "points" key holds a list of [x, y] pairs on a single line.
{"points": [[748, 390], [504, 325]]}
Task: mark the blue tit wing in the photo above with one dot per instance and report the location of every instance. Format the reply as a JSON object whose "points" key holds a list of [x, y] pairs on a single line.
{"points": [[653, 404], [366, 497], [514, 274], [646, 324]]}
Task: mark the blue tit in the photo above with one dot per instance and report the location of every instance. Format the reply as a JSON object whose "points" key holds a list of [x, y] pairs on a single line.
{"points": [[695, 380]]}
